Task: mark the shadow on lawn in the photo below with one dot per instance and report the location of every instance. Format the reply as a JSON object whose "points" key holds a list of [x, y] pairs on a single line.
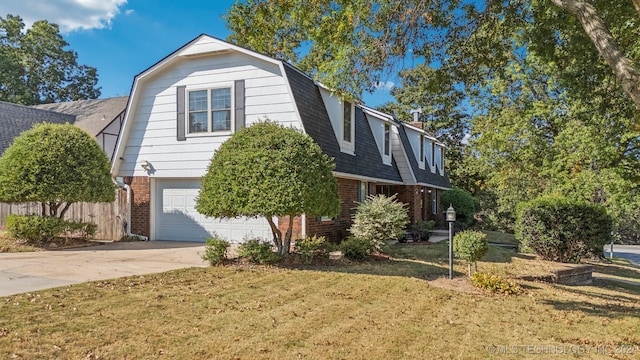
{"points": [[602, 304], [425, 261]]}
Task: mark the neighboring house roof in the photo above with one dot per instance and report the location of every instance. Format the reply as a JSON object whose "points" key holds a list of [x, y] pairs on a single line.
{"points": [[367, 161], [15, 119], [425, 177], [91, 115]]}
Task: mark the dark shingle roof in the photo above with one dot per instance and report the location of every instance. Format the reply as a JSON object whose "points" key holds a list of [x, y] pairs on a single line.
{"points": [[422, 176], [367, 160], [91, 115], [15, 119]]}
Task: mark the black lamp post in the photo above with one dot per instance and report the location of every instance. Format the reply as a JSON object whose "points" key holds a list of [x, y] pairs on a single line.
{"points": [[451, 218]]}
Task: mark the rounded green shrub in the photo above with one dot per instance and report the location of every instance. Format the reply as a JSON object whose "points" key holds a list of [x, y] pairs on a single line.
{"points": [[379, 219], [471, 246], [257, 252], [215, 251], [310, 247], [559, 229], [465, 205], [355, 248]]}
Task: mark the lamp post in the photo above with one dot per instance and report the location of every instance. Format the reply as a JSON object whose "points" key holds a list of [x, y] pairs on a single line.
{"points": [[451, 218]]}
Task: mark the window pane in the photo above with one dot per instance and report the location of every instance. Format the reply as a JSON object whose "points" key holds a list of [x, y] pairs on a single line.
{"points": [[220, 99], [221, 120], [346, 124], [198, 100], [386, 139], [198, 122]]}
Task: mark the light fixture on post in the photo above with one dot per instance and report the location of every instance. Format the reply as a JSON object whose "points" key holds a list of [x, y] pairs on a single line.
{"points": [[451, 218]]}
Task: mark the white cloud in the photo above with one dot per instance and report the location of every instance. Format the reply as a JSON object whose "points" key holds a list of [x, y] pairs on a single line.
{"points": [[385, 85], [70, 15]]}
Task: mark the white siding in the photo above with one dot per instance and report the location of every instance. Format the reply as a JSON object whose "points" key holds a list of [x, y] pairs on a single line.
{"points": [[334, 110], [152, 131]]}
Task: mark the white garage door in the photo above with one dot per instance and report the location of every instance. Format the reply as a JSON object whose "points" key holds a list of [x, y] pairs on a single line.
{"points": [[177, 218]]}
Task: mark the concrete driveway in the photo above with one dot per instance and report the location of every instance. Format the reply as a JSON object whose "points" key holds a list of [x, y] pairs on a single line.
{"points": [[24, 272], [628, 252]]}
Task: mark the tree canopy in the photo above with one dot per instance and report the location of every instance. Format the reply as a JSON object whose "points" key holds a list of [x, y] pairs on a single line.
{"points": [[269, 170], [55, 165], [36, 66], [546, 88]]}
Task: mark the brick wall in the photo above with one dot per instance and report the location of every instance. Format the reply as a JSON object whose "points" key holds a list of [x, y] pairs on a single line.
{"points": [[283, 225], [410, 195], [140, 204], [335, 229]]}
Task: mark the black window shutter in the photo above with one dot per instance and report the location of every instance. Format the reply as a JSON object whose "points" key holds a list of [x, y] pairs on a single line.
{"points": [[239, 99], [180, 106]]}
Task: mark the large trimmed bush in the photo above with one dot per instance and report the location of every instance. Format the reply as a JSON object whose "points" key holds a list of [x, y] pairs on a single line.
{"points": [[465, 205], [40, 229], [563, 230], [471, 246], [268, 170], [379, 219]]}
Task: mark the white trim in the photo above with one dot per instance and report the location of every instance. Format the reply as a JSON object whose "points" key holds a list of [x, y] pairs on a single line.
{"points": [[210, 132], [421, 152], [433, 186], [378, 114], [386, 158], [152, 208], [365, 178], [348, 146], [303, 231]]}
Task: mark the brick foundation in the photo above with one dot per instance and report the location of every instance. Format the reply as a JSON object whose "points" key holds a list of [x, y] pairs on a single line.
{"points": [[140, 204]]}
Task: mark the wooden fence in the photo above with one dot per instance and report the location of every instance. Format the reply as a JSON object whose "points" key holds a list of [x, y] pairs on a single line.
{"points": [[108, 216]]}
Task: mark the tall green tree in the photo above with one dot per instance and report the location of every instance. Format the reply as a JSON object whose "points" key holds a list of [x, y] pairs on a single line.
{"points": [[268, 170], [56, 166], [349, 44], [36, 66]]}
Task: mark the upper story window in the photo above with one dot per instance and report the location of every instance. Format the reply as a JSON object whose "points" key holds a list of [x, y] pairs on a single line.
{"points": [[387, 139], [210, 110], [421, 154], [347, 122], [433, 154]]}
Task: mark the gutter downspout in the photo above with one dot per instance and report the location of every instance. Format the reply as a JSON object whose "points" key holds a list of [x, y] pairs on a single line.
{"points": [[128, 219]]}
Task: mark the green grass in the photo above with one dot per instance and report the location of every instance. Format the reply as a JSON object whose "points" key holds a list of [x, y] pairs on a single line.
{"points": [[378, 309], [501, 238]]}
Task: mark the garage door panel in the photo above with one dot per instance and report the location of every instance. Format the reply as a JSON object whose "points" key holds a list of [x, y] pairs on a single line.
{"points": [[177, 219]]}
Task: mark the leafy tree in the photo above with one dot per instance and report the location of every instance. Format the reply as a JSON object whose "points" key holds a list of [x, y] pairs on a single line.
{"points": [[348, 45], [470, 246], [36, 68], [55, 165], [269, 170]]}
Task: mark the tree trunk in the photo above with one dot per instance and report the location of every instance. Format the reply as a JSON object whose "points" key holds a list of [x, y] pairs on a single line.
{"points": [[469, 269], [44, 208], [64, 210], [277, 234], [595, 27], [287, 237]]}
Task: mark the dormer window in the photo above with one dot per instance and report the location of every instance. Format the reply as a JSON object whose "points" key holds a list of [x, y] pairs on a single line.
{"points": [[387, 139], [421, 154], [433, 154], [348, 127]]}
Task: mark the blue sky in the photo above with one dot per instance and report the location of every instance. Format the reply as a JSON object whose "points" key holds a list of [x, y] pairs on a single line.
{"points": [[122, 38]]}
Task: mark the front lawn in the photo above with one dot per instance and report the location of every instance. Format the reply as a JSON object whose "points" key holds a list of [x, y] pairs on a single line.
{"points": [[384, 308]]}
